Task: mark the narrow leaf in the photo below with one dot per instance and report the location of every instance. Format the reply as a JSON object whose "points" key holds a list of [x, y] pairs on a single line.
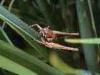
{"points": [[86, 31], [29, 34], [84, 41], [4, 36], [26, 60], [12, 66]]}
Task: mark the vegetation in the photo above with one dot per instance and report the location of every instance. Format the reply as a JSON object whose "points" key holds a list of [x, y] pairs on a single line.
{"points": [[20, 54]]}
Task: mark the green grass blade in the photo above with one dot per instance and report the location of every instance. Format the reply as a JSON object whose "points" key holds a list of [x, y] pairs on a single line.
{"points": [[26, 60], [92, 17], [11, 66], [23, 29], [45, 10], [63, 6], [2, 2], [4, 36], [57, 62], [9, 9], [86, 32], [12, 19], [84, 41]]}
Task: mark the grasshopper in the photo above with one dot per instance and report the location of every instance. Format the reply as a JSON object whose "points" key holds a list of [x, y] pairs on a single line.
{"points": [[48, 35]]}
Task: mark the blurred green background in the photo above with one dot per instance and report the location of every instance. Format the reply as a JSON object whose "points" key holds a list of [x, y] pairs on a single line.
{"points": [[21, 55]]}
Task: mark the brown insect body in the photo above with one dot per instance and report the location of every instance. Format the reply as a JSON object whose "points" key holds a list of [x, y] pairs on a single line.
{"points": [[48, 35]]}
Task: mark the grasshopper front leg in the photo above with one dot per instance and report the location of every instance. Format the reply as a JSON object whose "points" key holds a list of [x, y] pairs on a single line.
{"points": [[37, 25]]}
